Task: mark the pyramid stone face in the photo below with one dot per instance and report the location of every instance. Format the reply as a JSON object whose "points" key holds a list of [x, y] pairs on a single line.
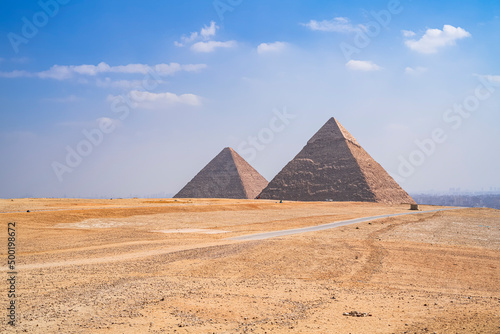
{"points": [[228, 175], [334, 166]]}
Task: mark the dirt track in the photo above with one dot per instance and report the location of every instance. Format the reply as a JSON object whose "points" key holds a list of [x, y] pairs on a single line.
{"points": [[433, 272]]}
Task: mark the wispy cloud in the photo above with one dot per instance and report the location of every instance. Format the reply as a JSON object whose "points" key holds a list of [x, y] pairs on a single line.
{"points": [[271, 47], [415, 71], [203, 41], [111, 121], [495, 79], [67, 99], [408, 33], [20, 60], [337, 24], [89, 123], [122, 84], [159, 101], [362, 65], [16, 74], [64, 72], [209, 31], [205, 33], [186, 39], [210, 46], [434, 39]]}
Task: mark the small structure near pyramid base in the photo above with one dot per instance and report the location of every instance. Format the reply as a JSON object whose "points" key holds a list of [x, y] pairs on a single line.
{"points": [[334, 166], [228, 175]]}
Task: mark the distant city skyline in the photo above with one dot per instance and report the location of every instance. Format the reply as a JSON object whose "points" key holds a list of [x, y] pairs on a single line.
{"points": [[128, 98]]}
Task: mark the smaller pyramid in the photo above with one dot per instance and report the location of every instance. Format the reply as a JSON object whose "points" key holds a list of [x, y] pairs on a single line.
{"points": [[228, 175]]}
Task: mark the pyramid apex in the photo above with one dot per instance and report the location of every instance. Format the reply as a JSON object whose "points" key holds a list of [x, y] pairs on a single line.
{"points": [[333, 130], [228, 150]]}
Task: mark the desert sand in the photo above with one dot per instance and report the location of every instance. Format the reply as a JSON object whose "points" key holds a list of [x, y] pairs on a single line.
{"points": [[169, 266]]}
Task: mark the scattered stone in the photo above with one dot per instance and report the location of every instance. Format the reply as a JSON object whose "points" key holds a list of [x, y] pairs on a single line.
{"points": [[356, 314]]}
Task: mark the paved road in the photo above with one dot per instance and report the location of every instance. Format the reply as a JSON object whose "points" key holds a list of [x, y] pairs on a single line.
{"points": [[273, 234]]}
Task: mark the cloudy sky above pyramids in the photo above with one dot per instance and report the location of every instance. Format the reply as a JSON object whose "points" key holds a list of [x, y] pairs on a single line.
{"points": [[169, 84]]}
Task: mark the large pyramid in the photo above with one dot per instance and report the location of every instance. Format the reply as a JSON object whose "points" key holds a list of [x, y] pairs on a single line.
{"points": [[228, 175], [334, 166]]}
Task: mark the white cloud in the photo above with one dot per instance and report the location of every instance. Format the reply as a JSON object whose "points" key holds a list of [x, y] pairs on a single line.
{"points": [[108, 121], [202, 41], [90, 123], [210, 46], [122, 84], [362, 65], [170, 69], [57, 72], [93, 69], [64, 72], [415, 71], [16, 74], [190, 99], [408, 33], [205, 33], [433, 39], [337, 24], [132, 68], [192, 67], [20, 60], [155, 101], [67, 99], [186, 39], [17, 60], [271, 47], [495, 79]]}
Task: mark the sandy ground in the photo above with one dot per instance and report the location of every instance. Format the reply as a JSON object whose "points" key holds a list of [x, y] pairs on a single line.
{"points": [[166, 266]]}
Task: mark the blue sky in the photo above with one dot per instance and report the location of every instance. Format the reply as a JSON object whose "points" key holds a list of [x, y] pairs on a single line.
{"points": [[133, 98]]}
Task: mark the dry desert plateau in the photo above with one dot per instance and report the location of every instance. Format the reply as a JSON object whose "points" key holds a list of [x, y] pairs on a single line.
{"points": [[177, 266]]}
